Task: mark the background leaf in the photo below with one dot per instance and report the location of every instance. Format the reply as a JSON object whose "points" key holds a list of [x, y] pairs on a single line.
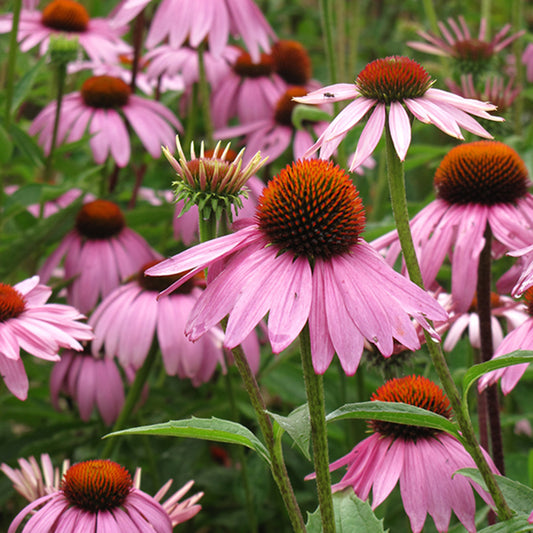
{"points": [[212, 429], [298, 426]]}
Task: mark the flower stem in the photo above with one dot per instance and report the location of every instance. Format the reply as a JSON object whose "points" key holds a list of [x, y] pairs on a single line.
{"points": [[138, 28], [328, 27], [204, 96], [314, 388], [61, 77], [132, 398], [278, 468], [487, 350], [207, 228], [250, 507], [401, 217], [11, 62]]}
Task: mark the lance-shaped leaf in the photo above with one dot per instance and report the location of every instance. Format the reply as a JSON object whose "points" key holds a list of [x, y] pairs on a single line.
{"points": [[298, 426]]}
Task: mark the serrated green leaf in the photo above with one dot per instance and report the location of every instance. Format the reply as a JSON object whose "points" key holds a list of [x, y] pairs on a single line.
{"points": [[397, 412], [212, 429], [476, 371], [517, 524], [351, 515], [519, 497], [298, 427]]}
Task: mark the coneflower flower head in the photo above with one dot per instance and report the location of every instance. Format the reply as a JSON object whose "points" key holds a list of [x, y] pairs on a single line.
{"points": [[211, 181], [423, 460], [471, 55], [393, 89]]}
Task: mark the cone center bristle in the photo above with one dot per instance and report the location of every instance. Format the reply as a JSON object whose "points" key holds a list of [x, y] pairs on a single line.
{"points": [[413, 390], [11, 302], [393, 79], [105, 92], [286, 104], [65, 15], [99, 485], [100, 219], [482, 172], [312, 209]]}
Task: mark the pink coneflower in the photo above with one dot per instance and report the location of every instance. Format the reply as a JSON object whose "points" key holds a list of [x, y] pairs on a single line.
{"points": [[98, 496], [219, 19], [99, 252], [302, 260], [496, 91], [423, 460], [32, 481], [458, 43], [129, 319], [520, 338], [100, 40], [99, 107], [27, 322], [386, 86], [123, 69], [502, 307], [91, 382], [477, 183], [273, 134], [166, 61]]}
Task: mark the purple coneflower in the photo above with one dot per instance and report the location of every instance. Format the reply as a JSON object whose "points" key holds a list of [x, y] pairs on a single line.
{"points": [[502, 307], [301, 259], [27, 322], [273, 134], [32, 481], [394, 88], [219, 19], [99, 252], [129, 319], [90, 382], [527, 59], [100, 496], [520, 338], [100, 40], [99, 107], [477, 184], [423, 460], [459, 44]]}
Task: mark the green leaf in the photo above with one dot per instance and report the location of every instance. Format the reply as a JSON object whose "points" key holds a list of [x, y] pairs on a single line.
{"points": [[519, 497], [298, 426], [212, 429], [26, 145], [6, 146], [23, 87], [517, 524], [397, 412], [351, 515], [476, 371]]}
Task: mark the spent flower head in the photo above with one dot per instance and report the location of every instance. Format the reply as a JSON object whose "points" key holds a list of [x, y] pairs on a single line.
{"points": [[214, 182]]}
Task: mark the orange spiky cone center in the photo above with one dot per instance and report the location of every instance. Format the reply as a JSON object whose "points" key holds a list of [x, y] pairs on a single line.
{"points": [[11, 302], [65, 15], [100, 219]]}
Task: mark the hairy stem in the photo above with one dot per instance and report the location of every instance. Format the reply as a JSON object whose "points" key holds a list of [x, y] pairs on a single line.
{"points": [[314, 388], [401, 217]]}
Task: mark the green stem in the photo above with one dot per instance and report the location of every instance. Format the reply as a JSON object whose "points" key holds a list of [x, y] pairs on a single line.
{"points": [[431, 16], [61, 77], [328, 27], [250, 507], [207, 228], [205, 97], [401, 217], [314, 388], [11, 62], [485, 14], [131, 399], [278, 468]]}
